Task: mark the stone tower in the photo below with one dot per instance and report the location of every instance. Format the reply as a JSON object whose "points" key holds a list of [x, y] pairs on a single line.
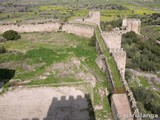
{"points": [[132, 25], [94, 17]]}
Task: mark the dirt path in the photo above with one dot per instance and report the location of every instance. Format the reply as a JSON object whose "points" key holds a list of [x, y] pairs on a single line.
{"points": [[44, 103]]}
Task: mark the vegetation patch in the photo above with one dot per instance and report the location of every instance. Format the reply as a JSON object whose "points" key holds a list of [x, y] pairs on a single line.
{"points": [[142, 54], [11, 35], [144, 81]]}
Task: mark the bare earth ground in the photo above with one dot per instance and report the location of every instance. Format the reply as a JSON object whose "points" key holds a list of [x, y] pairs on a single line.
{"points": [[44, 103]]}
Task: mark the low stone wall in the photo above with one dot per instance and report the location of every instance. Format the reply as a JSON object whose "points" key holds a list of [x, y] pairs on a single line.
{"points": [[46, 27], [80, 30]]}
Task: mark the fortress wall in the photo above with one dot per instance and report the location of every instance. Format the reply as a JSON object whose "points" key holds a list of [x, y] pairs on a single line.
{"points": [[47, 27], [92, 19], [132, 25], [80, 30], [112, 39], [136, 27], [120, 58]]}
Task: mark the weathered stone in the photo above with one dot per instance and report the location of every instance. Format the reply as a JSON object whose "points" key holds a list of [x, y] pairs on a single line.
{"points": [[47, 27], [132, 25], [101, 63], [80, 30]]}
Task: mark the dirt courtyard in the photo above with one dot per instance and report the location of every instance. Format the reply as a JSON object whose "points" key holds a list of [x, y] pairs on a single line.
{"points": [[44, 103]]}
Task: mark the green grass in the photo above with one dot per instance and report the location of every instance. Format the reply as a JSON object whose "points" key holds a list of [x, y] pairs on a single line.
{"points": [[109, 60], [79, 14], [144, 81], [52, 80]]}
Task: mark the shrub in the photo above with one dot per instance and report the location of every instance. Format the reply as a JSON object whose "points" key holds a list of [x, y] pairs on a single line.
{"points": [[148, 98], [11, 35], [92, 41], [2, 49]]}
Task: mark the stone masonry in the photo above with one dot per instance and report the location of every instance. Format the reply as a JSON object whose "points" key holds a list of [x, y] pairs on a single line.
{"points": [[46, 27], [92, 19], [80, 30], [132, 25]]}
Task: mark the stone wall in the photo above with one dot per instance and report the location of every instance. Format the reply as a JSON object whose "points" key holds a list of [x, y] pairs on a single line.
{"points": [[92, 19], [132, 25], [46, 27], [120, 58], [80, 30], [112, 39]]}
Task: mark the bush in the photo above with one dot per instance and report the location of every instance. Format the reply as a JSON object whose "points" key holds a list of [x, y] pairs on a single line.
{"points": [[148, 99], [142, 55], [2, 49], [11, 35], [92, 41]]}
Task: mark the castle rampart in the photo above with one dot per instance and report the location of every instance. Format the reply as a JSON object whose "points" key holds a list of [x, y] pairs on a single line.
{"points": [[92, 19], [47, 27], [112, 39], [80, 30]]}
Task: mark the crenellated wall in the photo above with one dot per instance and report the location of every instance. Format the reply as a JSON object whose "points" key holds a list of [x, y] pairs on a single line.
{"points": [[46, 27], [80, 30]]}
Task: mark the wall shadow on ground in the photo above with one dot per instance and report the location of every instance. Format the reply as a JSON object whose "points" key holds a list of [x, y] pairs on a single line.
{"points": [[72, 108], [6, 75]]}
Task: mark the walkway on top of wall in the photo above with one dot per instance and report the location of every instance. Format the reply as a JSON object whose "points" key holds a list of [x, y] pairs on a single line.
{"points": [[115, 76]]}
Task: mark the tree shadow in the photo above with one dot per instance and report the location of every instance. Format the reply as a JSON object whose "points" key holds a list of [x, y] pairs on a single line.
{"points": [[6, 75]]}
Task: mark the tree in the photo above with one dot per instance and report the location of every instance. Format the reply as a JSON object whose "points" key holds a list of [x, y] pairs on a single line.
{"points": [[11, 35], [92, 41]]}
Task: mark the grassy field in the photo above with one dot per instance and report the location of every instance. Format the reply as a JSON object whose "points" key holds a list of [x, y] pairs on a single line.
{"points": [[70, 10]]}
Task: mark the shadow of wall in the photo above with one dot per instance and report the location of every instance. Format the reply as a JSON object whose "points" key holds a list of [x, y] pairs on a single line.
{"points": [[70, 108]]}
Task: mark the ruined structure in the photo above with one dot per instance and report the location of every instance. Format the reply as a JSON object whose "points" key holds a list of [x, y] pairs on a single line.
{"points": [[92, 19], [46, 27], [80, 30], [132, 25], [120, 109], [112, 41]]}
